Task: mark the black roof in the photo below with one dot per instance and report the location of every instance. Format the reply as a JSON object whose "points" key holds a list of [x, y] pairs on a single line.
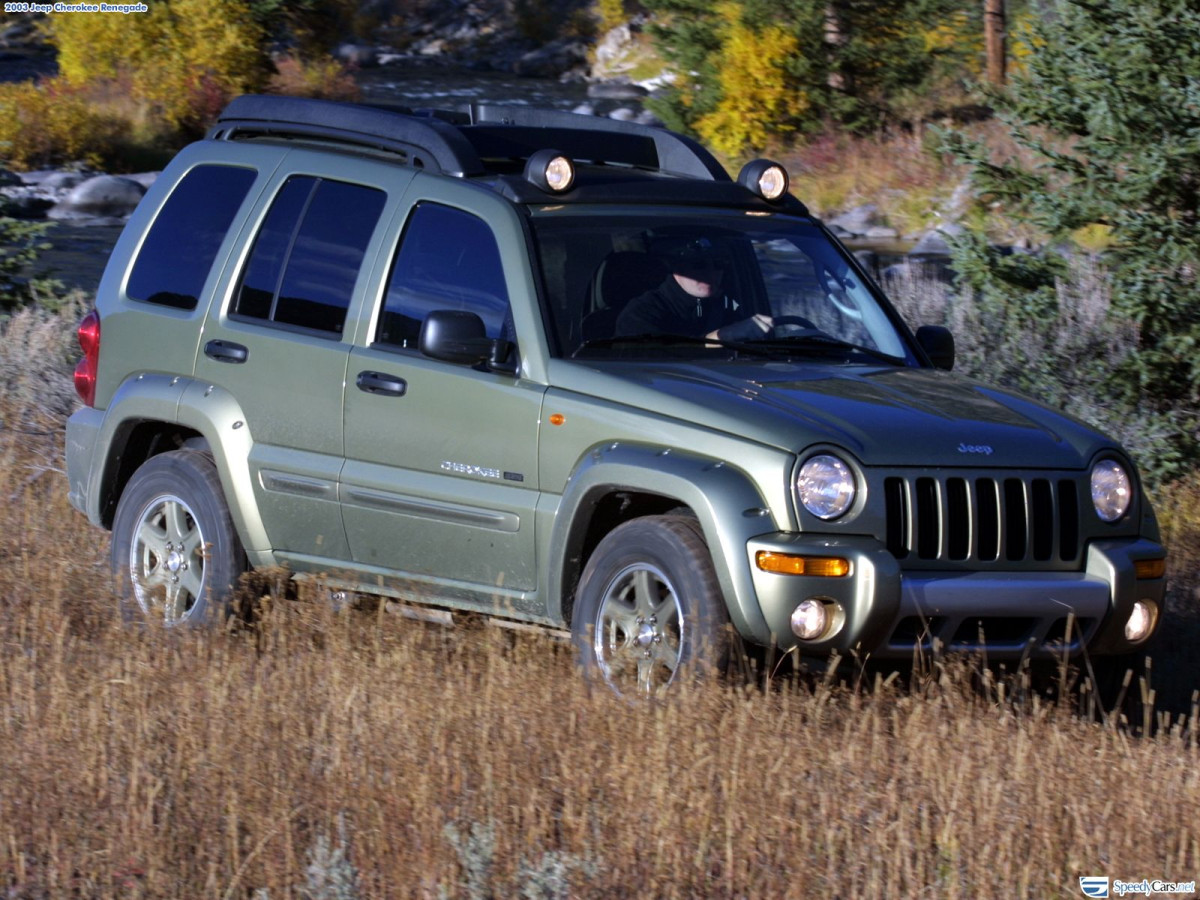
{"points": [[617, 161]]}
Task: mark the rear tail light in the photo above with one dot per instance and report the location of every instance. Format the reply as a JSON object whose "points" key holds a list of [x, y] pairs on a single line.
{"points": [[85, 371]]}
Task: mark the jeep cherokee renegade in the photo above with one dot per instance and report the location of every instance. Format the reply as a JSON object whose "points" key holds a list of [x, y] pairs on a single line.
{"points": [[431, 355]]}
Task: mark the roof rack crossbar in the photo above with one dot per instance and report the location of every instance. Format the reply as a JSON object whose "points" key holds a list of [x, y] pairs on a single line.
{"points": [[677, 154], [425, 140]]}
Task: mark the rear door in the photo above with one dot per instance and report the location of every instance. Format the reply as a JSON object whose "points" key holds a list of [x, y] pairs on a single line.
{"points": [[440, 482], [278, 344]]}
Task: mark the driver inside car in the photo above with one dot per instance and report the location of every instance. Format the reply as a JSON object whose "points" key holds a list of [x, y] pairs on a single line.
{"points": [[690, 301]]}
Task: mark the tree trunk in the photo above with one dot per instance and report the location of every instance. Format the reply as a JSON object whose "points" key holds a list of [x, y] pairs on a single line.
{"points": [[995, 34]]}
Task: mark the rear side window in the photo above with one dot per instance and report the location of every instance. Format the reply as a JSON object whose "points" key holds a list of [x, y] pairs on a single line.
{"points": [[307, 255], [448, 259], [182, 244]]}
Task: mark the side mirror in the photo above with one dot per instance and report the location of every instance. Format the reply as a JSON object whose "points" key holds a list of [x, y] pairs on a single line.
{"points": [[459, 336], [938, 344]]}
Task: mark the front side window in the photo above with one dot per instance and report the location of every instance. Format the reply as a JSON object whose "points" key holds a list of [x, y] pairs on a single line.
{"points": [[183, 242], [307, 255], [706, 283], [447, 259]]}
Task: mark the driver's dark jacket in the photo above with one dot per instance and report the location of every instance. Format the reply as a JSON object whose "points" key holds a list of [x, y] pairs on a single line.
{"points": [[669, 309]]}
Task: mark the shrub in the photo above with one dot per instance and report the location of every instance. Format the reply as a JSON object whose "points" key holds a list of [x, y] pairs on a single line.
{"points": [[324, 78], [182, 60], [52, 122]]}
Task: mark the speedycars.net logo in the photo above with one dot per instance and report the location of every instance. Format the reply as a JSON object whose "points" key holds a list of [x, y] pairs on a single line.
{"points": [[1094, 886]]}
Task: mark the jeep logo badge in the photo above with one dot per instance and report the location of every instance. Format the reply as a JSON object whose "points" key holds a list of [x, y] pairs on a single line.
{"points": [[975, 448]]}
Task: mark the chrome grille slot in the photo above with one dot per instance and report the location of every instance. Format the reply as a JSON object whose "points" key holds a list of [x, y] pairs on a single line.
{"points": [[942, 519]]}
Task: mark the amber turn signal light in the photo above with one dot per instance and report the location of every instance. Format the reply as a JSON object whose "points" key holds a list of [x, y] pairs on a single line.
{"points": [[789, 564], [1150, 568]]}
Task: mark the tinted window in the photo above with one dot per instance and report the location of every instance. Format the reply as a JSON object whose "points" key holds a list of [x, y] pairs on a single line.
{"points": [[182, 244], [448, 259], [307, 255]]}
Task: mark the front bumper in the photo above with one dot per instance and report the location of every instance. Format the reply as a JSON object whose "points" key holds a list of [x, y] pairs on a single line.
{"points": [[889, 613]]}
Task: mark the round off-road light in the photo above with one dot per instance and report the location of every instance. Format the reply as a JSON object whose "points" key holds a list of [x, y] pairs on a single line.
{"points": [[809, 619], [1141, 621], [551, 171], [766, 178], [1112, 490], [826, 486]]}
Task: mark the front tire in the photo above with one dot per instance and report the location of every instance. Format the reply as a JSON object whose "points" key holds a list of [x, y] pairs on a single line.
{"points": [[648, 611], [175, 552]]}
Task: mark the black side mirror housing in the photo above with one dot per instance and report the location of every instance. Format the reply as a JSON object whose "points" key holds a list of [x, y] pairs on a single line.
{"points": [[459, 336], [938, 344]]}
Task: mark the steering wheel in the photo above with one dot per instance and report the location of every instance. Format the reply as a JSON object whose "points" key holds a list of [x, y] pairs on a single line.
{"points": [[784, 321], [838, 297]]}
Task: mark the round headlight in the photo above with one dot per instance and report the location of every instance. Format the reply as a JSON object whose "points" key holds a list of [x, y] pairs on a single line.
{"points": [[809, 619], [1112, 490], [826, 486]]}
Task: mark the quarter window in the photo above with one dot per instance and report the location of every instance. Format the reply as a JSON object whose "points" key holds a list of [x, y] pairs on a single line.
{"points": [[448, 259], [182, 244], [307, 255]]}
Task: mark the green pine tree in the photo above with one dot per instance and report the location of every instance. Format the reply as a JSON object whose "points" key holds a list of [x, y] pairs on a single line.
{"points": [[1107, 108]]}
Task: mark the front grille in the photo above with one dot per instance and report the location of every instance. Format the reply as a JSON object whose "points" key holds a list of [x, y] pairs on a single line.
{"points": [[983, 521]]}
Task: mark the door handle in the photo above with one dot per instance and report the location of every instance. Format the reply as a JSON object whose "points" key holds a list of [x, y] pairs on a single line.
{"points": [[381, 383], [226, 351]]}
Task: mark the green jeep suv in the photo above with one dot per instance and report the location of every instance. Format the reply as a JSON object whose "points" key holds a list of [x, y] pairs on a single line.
{"points": [[566, 371]]}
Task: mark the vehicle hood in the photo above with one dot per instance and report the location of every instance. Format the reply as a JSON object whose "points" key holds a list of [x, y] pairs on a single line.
{"points": [[884, 415]]}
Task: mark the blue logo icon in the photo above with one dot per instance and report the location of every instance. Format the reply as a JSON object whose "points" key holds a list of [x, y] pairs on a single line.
{"points": [[1093, 886]]}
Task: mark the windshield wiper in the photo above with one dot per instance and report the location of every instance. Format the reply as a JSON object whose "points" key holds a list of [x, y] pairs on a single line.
{"points": [[667, 338], [829, 343]]}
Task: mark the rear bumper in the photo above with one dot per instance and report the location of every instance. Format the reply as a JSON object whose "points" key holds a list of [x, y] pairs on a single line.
{"points": [[83, 432], [887, 613]]}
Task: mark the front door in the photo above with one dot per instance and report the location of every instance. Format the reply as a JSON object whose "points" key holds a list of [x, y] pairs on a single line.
{"points": [[440, 482]]}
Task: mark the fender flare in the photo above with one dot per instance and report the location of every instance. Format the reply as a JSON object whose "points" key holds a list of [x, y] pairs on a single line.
{"points": [[204, 408], [730, 509]]}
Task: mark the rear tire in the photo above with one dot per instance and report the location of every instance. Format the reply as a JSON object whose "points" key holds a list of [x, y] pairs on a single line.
{"points": [[175, 552], [648, 610]]}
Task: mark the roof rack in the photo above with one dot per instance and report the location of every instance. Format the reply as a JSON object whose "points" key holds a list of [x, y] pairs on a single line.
{"points": [[457, 142]]}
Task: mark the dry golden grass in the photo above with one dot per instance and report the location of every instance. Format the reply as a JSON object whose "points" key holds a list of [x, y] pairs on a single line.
{"points": [[270, 761]]}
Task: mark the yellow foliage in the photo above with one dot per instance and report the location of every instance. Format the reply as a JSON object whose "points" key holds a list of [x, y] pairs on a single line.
{"points": [[956, 36], [324, 78], [182, 60], [611, 13], [756, 96], [52, 122]]}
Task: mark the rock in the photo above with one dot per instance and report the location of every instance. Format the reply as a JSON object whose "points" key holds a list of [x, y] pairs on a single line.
{"points": [[584, 109], [881, 233], [645, 117], [623, 114], [145, 179], [105, 196], [616, 90], [361, 55], [551, 60], [435, 47], [933, 242], [23, 203], [8, 178], [61, 182], [856, 221]]}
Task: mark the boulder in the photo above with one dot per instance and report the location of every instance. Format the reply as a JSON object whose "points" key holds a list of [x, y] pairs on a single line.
{"points": [[856, 221], [616, 90], [933, 242], [623, 114], [551, 60], [360, 55], [104, 196]]}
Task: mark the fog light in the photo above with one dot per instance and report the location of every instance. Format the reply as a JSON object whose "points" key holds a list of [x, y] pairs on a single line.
{"points": [[551, 171], [789, 564], [1140, 624], [1150, 568], [809, 620]]}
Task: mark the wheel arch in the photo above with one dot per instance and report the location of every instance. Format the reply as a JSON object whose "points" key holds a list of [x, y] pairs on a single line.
{"points": [[152, 414], [620, 482]]}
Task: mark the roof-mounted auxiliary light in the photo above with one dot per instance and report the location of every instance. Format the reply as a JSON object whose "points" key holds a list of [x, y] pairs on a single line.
{"points": [[765, 177], [550, 170]]}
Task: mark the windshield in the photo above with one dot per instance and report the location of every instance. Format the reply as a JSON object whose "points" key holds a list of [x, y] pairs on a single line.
{"points": [[705, 283]]}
